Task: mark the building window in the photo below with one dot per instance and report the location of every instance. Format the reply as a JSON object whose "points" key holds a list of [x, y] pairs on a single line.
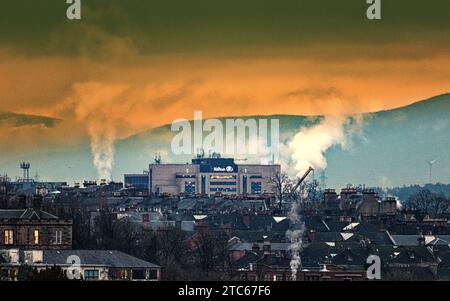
{"points": [[222, 177], [203, 187], [221, 183], [256, 187], [58, 237], [139, 274], [122, 274], [185, 176], [36, 237], [244, 184], [9, 237], [153, 275], [255, 177], [91, 274], [189, 187], [222, 189]]}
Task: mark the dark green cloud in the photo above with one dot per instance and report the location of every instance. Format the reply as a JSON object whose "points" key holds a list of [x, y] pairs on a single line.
{"points": [[159, 26]]}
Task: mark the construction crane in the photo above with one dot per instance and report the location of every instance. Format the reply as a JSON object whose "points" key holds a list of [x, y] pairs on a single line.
{"points": [[300, 181]]}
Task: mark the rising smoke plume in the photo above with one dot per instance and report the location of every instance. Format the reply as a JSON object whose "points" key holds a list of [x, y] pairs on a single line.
{"points": [[295, 238], [94, 106], [102, 148], [309, 146]]}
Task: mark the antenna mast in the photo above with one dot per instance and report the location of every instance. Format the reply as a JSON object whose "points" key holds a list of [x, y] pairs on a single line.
{"points": [[25, 166]]}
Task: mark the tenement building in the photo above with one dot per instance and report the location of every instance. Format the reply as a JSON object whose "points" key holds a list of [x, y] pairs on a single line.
{"points": [[34, 229]]}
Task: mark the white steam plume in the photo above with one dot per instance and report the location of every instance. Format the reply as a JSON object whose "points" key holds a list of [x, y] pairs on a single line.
{"points": [[101, 109], [102, 148], [295, 238], [308, 147]]}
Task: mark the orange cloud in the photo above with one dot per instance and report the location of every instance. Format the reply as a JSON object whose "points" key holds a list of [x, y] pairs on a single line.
{"points": [[149, 91]]}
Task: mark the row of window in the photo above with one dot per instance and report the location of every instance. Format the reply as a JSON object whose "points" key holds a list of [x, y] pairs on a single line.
{"points": [[185, 176], [133, 180], [222, 177], [123, 274], [220, 183], [256, 187], [222, 189], [9, 237]]}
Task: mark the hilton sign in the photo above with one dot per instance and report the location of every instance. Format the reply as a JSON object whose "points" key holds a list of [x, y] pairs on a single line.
{"points": [[223, 169]]}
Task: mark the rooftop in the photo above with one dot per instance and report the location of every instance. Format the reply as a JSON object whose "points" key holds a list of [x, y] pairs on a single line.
{"points": [[109, 258]]}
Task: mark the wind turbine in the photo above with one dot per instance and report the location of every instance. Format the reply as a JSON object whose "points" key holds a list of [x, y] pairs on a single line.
{"points": [[430, 164]]}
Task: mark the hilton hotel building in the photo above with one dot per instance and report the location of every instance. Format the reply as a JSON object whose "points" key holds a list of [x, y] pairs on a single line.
{"points": [[211, 175]]}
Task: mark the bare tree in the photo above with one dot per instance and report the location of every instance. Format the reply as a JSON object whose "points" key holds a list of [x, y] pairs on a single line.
{"points": [[282, 187], [426, 202], [6, 188], [212, 250], [312, 191]]}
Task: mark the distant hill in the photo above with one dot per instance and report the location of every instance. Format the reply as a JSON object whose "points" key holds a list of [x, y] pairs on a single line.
{"points": [[13, 119], [392, 152]]}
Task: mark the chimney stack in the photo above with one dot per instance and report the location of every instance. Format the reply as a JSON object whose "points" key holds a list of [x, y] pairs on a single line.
{"points": [[255, 247], [246, 219], [266, 247], [37, 202], [146, 221]]}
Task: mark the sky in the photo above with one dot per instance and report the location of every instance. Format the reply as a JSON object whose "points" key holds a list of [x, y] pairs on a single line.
{"points": [[127, 66]]}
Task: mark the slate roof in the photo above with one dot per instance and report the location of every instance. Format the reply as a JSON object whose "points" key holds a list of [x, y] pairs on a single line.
{"points": [[26, 214], [245, 261], [115, 259], [351, 257], [414, 255], [257, 222], [189, 204], [241, 246], [315, 254], [264, 222], [275, 262], [316, 223], [254, 236], [378, 238], [413, 240], [336, 226], [333, 236]]}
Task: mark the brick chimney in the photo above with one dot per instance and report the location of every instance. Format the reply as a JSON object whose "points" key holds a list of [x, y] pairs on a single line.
{"points": [[266, 247], [37, 202], [330, 195], [146, 221], [246, 219], [312, 235], [255, 247]]}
